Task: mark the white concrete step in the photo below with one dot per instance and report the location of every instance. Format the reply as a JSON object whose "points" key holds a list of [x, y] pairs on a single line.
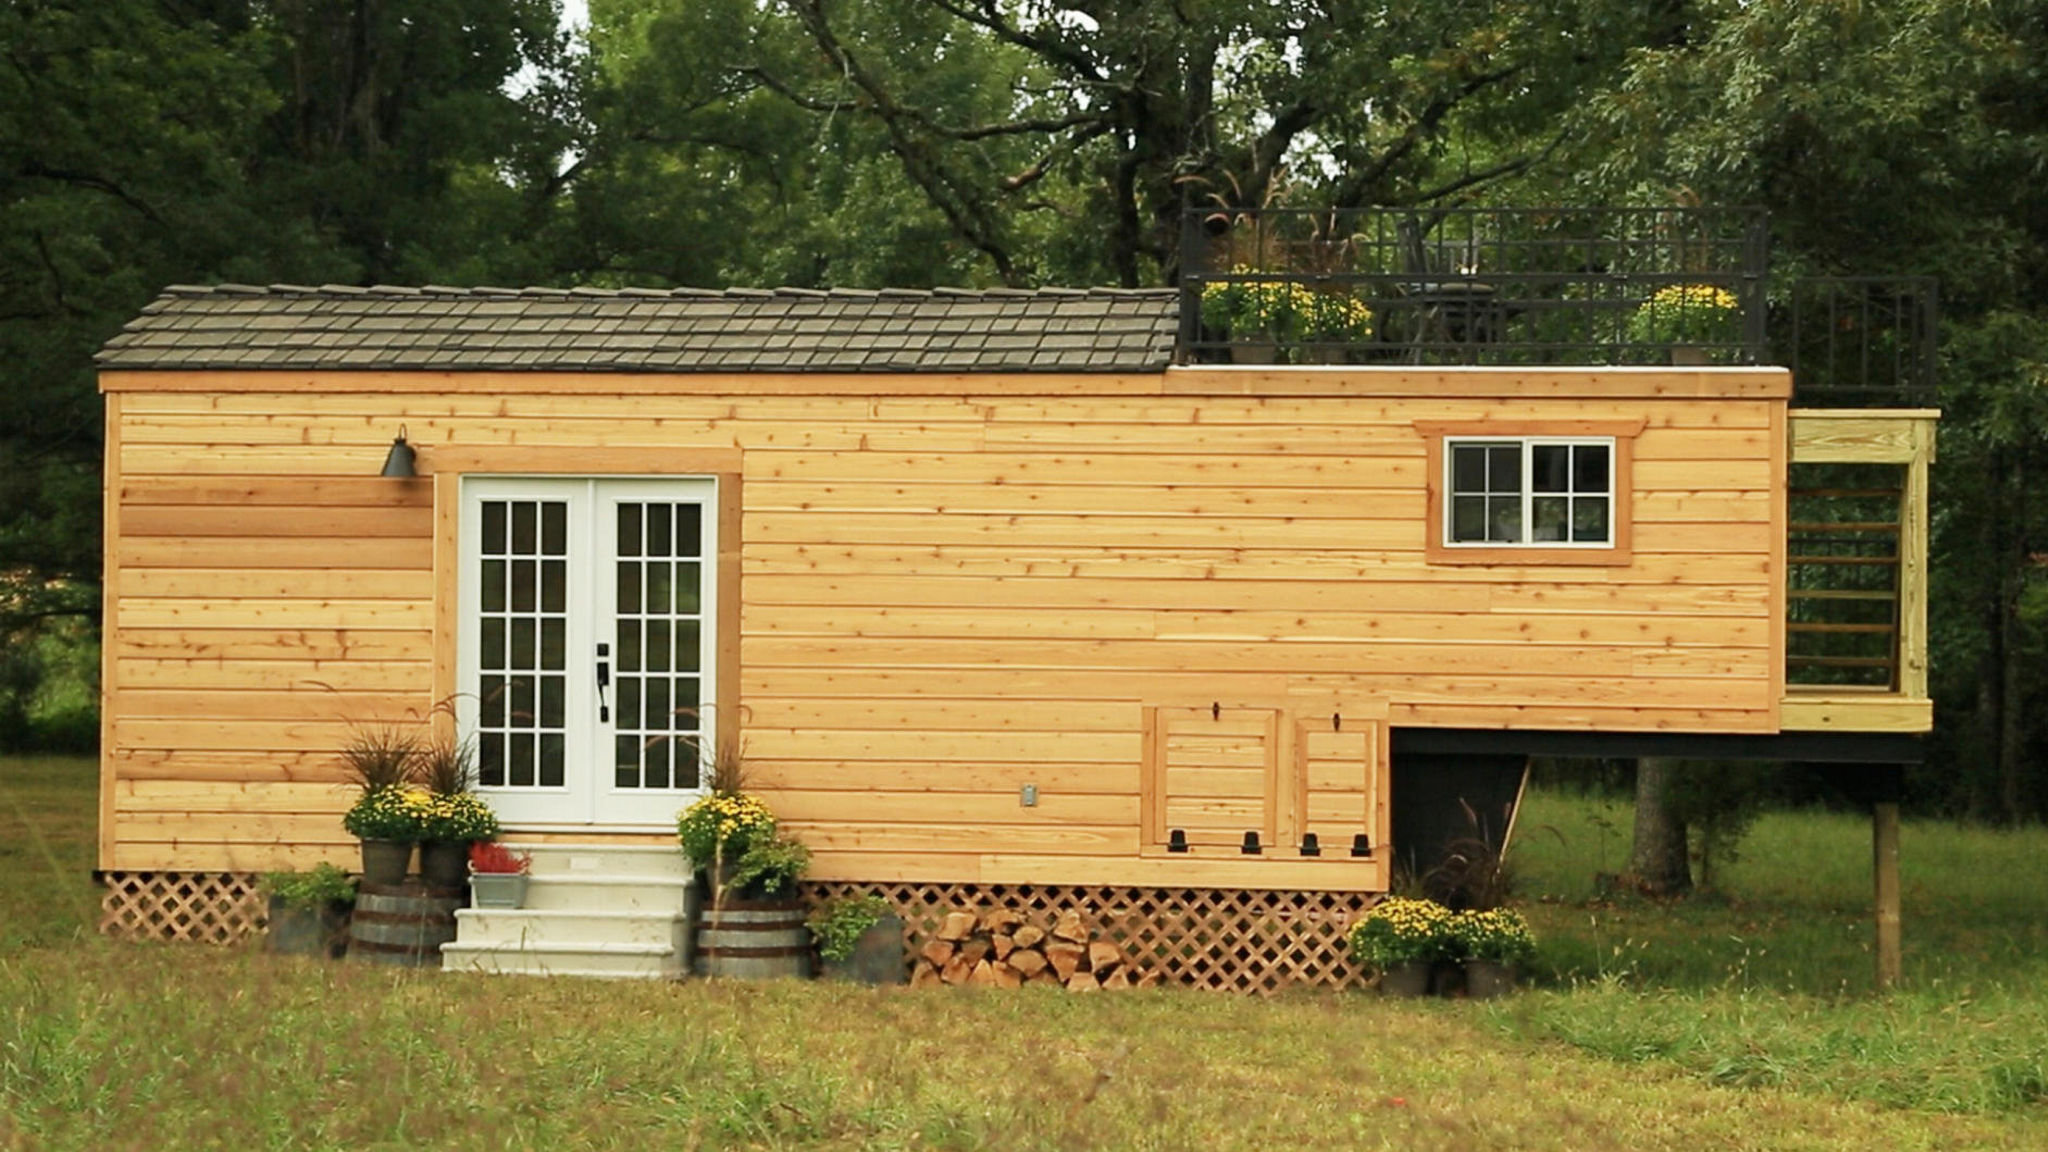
{"points": [[614, 961], [530, 927], [612, 860], [607, 892]]}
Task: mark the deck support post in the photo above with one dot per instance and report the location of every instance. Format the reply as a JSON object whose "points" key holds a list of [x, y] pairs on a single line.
{"points": [[1884, 841]]}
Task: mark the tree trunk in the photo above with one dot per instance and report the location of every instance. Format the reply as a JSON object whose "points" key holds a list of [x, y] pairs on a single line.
{"points": [[1659, 861]]}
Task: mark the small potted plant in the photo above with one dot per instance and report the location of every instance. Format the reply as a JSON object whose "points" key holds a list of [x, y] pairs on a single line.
{"points": [[716, 832], [1403, 939], [450, 824], [497, 875], [1688, 319], [1260, 316], [382, 761], [309, 911], [1494, 943], [860, 939], [1333, 321], [389, 821]]}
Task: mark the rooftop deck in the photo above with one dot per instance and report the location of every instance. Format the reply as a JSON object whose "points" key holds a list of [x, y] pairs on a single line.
{"points": [[1550, 287]]}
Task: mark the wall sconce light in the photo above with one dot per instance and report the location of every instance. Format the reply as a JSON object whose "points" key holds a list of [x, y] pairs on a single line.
{"points": [[1311, 845], [1251, 844], [1177, 841], [399, 461], [1361, 845]]}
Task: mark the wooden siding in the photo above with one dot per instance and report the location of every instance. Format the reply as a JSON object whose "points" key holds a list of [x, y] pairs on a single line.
{"points": [[946, 597]]}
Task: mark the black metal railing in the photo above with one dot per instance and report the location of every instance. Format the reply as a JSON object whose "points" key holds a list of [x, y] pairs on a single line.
{"points": [[1858, 341], [1542, 286]]}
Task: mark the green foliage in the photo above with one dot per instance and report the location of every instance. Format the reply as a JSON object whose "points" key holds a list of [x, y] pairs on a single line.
{"points": [[1686, 314], [722, 827], [770, 866], [324, 884], [391, 812], [839, 922], [1399, 930], [1499, 935]]}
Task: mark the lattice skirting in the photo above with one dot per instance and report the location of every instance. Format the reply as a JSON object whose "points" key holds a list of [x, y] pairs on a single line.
{"points": [[1226, 939], [205, 907]]}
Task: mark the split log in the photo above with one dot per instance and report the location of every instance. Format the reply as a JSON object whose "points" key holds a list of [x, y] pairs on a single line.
{"points": [[1102, 956], [1003, 945], [984, 975], [974, 949], [1068, 927], [1121, 978], [1001, 920], [937, 952], [958, 926], [1006, 976], [957, 971], [1083, 982], [1152, 979], [1065, 958], [925, 976], [1028, 936], [1029, 961]]}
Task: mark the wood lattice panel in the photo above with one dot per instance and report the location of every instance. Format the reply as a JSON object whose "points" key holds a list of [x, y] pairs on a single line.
{"points": [[1224, 939], [203, 907]]}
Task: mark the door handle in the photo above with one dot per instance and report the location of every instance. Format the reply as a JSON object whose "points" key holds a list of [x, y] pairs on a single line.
{"points": [[604, 681]]}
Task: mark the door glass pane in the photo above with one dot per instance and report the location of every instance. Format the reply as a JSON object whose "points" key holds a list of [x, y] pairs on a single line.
{"points": [[689, 529], [522, 642], [659, 639], [629, 530]]}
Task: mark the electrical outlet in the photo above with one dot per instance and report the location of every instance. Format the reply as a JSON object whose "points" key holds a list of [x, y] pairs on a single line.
{"points": [[1028, 796]]}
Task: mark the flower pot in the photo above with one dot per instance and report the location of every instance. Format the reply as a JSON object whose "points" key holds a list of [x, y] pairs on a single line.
{"points": [[498, 889], [877, 956], [753, 940], [386, 861], [444, 863], [1405, 980], [301, 930], [1254, 352], [1486, 979]]}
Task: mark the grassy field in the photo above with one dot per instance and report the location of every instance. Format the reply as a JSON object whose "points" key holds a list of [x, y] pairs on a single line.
{"points": [[1737, 1024]]}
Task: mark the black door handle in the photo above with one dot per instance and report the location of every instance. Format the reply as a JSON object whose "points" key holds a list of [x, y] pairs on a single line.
{"points": [[604, 681]]}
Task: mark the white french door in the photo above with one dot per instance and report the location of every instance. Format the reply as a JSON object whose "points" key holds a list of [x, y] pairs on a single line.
{"points": [[585, 652]]}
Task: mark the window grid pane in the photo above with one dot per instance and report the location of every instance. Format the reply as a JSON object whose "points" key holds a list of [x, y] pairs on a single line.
{"points": [[659, 574], [1531, 491], [522, 666]]}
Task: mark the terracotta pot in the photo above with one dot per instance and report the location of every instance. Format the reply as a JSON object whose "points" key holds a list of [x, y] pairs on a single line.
{"points": [[386, 861]]}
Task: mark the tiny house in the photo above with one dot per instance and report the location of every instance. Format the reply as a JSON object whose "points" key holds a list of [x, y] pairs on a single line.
{"points": [[1007, 594]]}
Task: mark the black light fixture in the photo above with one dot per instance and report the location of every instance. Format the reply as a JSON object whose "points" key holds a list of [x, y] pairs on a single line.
{"points": [[1177, 841], [1310, 845], [399, 461], [1251, 844], [1361, 845]]}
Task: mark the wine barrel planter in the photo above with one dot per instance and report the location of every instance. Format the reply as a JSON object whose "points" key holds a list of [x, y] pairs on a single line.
{"points": [[753, 940], [403, 923]]}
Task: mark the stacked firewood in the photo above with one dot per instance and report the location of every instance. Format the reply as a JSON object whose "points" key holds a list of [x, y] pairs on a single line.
{"points": [[1001, 948]]}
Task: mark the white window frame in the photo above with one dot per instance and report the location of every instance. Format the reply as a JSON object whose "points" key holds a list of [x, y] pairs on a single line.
{"points": [[1526, 446]]}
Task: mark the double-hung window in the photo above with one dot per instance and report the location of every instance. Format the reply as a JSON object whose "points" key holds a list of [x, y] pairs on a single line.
{"points": [[1525, 491]]}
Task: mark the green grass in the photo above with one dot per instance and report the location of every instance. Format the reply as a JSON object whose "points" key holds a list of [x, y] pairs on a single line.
{"points": [[1770, 982], [146, 1046]]}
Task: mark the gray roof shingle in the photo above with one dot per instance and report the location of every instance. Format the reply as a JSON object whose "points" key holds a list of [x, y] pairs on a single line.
{"points": [[648, 330]]}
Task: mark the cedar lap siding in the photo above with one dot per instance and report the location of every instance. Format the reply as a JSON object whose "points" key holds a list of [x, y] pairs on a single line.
{"points": [[966, 542]]}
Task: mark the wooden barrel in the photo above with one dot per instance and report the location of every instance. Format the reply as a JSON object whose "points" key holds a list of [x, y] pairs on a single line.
{"points": [[403, 923], [747, 940]]}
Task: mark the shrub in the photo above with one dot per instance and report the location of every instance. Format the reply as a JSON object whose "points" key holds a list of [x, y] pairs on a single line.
{"points": [[325, 884], [769, 866], [461, 816], [722, 827], [392, 812]]}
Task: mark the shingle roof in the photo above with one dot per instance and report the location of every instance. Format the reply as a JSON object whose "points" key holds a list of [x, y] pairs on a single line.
{"points": [[284, 326]]}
